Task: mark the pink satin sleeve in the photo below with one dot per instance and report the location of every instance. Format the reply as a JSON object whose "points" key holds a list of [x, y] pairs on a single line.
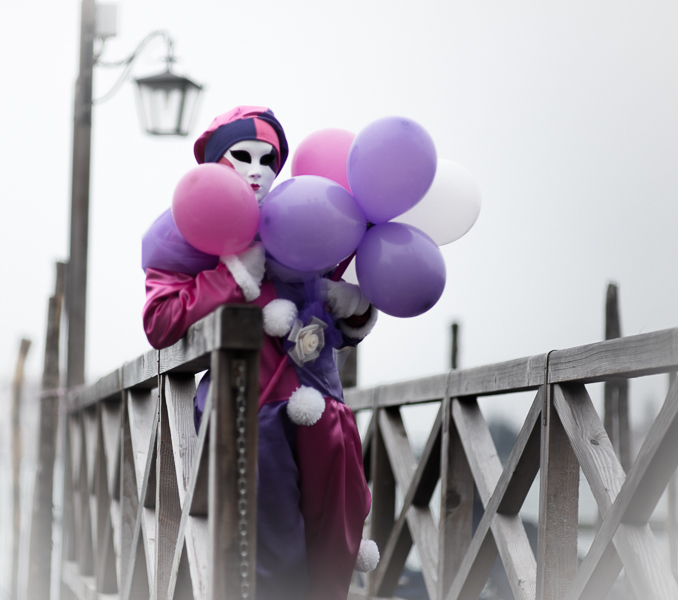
{"points": [[174, 301], [335, 500]]}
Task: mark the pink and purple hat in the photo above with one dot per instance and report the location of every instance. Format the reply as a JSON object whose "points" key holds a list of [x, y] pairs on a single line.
{"points": [[239, 124]]}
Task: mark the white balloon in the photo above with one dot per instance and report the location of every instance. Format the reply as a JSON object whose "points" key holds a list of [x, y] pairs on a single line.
{"points": [[450, 207]]}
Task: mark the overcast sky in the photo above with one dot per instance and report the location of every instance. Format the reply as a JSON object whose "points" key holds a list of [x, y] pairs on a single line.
{"points": [[565, 112]]}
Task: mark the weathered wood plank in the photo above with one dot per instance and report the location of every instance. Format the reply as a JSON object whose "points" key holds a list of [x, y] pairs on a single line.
{"points": [[508, 531], [233, 327], [417, 483], [85, 547], [635, 544], [106, 387], [356, 593], [590, 442], [193, 534], [142, 372], [359, 398], [476, 565], [167, 504], [111, 414], [632, 356], [522, 464], [425, 536], [90, 429], [558, 509], [179, 393], [425, 389], [104, 557], [142, 406], [199, 482], [656, 463], [398, 446], [143, 416], [511, 376], [427, 474], [183, 589], [384, 579], [508, 496], [382, 516], [223, 514], [40, 541], [456, 503], [129, 501], [83, 587]]}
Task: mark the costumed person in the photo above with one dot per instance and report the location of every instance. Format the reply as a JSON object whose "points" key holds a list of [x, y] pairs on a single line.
{"points": [[312, 495]]}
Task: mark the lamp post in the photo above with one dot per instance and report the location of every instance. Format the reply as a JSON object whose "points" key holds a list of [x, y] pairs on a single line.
{"points": [[178, 94]]}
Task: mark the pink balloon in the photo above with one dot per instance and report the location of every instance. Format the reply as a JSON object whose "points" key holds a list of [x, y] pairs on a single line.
{"points": [[215, 210], [324, 153]]}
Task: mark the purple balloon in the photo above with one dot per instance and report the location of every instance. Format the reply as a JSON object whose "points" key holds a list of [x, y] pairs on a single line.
{"points": [[390, 166], [310, 223], [163, 247], [400, 269]]}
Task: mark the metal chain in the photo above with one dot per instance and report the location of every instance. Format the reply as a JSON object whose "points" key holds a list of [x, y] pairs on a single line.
{"points": [[240, 373]]}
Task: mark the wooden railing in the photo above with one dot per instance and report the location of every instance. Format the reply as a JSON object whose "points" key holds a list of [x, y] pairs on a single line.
{"points": [[561, 434], [154, 510], [151, 509]]}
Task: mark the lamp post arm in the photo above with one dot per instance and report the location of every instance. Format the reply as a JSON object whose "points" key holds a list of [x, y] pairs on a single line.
{"points": [[129, 61]]}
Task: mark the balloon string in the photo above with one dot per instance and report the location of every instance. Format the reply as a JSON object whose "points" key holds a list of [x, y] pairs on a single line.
{"points": [[341, 269]]}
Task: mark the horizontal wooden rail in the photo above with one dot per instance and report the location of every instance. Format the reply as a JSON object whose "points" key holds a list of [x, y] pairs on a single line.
{"points": [[633, 356]]}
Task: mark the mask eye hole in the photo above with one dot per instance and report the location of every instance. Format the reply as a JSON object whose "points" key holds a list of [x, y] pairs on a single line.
{"points": [[268, 159], [241, 155]]}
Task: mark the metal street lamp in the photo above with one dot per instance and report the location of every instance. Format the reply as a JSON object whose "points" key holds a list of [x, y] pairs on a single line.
{"points": [[166, 91], [167, 102]]}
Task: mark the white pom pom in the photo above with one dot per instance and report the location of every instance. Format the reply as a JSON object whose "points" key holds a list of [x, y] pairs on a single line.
{"points": [[305, 406], [368, 557], [279, 315]]}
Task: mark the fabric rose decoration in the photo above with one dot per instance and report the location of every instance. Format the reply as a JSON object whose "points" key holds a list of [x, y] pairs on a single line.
{"points": [[308, 340]]}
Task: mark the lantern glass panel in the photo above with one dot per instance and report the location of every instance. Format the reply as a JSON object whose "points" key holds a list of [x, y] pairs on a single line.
{"points": [[167, 104]]}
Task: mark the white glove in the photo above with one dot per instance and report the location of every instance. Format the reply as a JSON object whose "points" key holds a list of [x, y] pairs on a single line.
{"points": [[345, 299], [248, 269]]}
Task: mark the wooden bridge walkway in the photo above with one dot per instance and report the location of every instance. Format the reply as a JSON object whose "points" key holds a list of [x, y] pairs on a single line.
{"points": [[153, 510]]}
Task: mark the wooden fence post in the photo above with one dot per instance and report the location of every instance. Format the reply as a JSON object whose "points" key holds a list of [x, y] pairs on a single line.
{"points": [[558, 506], [17, 386], [231, 484]]}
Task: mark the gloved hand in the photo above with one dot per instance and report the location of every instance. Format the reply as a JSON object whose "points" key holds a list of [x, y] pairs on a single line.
{"points": [[344, 299], [248, 269]]}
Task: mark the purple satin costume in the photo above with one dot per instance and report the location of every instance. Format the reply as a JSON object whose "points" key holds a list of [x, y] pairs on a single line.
{"points": [[312, 494]]}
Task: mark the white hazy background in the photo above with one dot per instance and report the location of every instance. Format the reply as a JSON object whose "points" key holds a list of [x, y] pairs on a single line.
{"points": [[566, 114]]}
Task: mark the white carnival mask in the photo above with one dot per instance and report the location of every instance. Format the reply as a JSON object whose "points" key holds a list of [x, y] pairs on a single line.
{"points": [[255, 161]]}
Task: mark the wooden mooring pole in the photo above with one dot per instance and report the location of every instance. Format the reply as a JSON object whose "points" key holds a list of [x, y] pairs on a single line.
{"points": [[616, 411], [17, 387], [454, 351], [40, 541]]}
